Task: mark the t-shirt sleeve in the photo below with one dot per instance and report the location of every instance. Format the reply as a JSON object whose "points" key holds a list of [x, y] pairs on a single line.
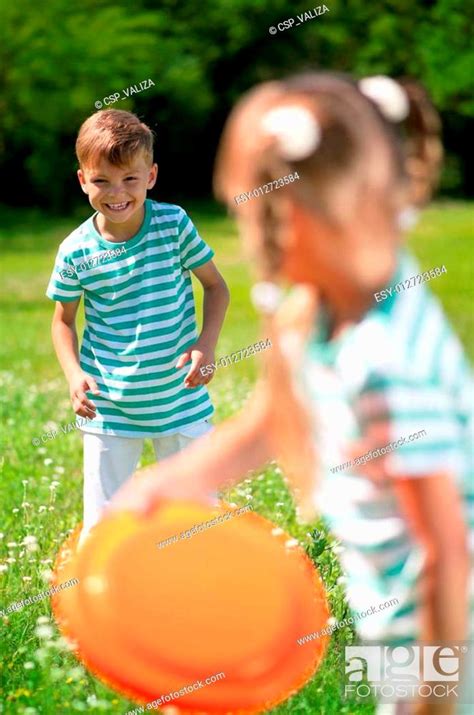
{"points": [[193, 250], [425, 429], [64, 285]]}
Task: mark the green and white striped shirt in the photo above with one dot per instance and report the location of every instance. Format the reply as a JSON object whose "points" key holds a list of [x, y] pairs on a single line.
{"points": [[140, 317], [403, 366]]}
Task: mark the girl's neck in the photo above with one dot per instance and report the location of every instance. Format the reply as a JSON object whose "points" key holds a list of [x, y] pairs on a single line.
{"points": [[342, 314]]}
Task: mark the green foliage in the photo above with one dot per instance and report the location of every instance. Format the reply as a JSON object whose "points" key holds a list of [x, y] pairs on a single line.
{"points": [[60, 57], [446, 45]]}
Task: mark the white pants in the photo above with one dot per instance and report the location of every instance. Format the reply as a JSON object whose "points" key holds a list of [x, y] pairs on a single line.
{"points": [[109, 461]]}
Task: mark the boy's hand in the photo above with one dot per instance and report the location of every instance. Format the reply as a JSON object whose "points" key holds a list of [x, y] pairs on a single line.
{"points": [[79, 384], [200, 354]]}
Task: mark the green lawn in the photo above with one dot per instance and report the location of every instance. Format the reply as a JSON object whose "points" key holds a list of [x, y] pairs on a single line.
{"points": [[40, 487]]}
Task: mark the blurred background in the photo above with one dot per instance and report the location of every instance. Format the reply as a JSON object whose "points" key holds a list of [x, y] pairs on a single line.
{"points": [[57, 59]]}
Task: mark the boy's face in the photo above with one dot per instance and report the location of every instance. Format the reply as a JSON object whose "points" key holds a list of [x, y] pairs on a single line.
{"points": [[118, 192]]}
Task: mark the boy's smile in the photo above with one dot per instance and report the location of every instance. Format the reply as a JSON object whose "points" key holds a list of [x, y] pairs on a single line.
{"points": [[118, 194]]}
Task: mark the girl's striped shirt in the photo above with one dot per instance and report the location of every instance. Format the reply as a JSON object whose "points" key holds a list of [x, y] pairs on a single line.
{"points": [[140, 317], [403, 368]]}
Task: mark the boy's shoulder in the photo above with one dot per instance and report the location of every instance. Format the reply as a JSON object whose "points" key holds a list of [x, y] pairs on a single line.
{"points": [[170, 219], [166, 211]]}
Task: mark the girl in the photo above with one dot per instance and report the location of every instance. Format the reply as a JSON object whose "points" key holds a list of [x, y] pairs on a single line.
{"points": [[347, 373]]}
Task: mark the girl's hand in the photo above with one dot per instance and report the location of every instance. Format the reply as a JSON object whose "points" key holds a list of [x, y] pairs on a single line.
{"points": [[79, 384], [375, 468], [143, 492]]}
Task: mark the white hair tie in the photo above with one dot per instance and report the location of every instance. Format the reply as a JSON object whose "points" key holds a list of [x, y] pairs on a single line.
{"points": [[266, 297], [407, 218], [388, 95], [296, 130]]}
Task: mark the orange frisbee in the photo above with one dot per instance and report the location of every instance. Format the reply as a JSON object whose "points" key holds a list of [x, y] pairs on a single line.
{"points": [[230, 600]]}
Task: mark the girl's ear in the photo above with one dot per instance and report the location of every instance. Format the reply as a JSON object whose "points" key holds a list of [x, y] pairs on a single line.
{"points": [[299, 228]]}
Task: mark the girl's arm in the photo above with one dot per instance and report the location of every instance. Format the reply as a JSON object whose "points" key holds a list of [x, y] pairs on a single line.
{"points": [[433, 508], [218, 459]]}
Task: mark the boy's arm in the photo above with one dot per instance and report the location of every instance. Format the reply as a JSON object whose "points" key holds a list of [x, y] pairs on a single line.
{"points": [[216, 300], [64, 334], [433, 509]]}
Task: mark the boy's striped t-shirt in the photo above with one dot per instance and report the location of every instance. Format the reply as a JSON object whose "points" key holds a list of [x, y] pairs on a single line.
{"points": [[139, 318], [401, 372]]}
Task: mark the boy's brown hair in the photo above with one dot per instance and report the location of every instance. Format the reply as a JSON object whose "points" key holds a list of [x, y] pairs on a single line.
{"points": [[114, 135]]}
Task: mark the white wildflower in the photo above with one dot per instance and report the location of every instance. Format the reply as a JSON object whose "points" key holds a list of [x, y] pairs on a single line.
{"points": [[44, 631], [29, 539], [75, 673]]}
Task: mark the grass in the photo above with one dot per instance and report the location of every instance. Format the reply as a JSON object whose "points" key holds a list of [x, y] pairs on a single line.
{"points": [[40, 487]]}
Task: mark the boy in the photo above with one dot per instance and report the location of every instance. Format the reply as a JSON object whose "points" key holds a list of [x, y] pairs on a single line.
{"points": [[132, 261]]}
